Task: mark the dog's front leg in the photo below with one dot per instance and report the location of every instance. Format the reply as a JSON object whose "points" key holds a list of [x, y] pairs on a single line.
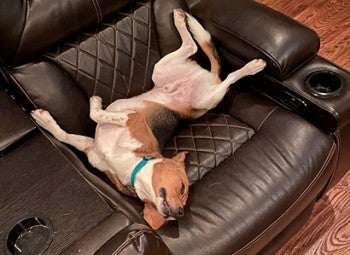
{"points": [[46, 121], [101, 116]]}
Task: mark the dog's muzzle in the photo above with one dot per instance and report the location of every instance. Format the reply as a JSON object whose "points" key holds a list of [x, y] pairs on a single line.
{"points": [[168, 212]]}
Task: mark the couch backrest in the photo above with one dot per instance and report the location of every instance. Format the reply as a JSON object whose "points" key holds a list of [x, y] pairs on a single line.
{"points": [[76, 50], [30, 25]]}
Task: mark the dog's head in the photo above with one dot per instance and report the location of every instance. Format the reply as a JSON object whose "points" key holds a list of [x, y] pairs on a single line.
{"points": [[170, 184]]}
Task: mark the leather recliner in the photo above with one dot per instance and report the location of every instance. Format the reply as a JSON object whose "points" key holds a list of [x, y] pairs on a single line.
{"points": [[256, 164]]}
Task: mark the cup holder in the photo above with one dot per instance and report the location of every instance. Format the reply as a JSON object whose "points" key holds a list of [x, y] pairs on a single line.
{"points": [[31, 236], [324, 84]]}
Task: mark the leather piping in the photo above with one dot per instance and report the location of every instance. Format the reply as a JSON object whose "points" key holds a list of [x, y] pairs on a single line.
{"points": [[266, 118], [97, 9]]}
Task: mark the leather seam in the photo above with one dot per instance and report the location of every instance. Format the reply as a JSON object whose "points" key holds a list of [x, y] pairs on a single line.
{"points": [[128, 241], [24, 26], [338, 142], [266, 118], [292, 206], [96, 10], [99, 9]]}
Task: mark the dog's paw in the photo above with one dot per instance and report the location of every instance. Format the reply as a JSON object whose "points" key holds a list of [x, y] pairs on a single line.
{"points": [[179, 18], [255, 66], [43, 118], [96, 99]]}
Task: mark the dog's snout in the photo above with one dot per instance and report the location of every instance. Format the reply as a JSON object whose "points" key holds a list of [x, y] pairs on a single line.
{"points": [[179, 213]]}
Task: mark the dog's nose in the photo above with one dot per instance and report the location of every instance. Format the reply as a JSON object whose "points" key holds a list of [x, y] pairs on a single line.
{"points": [[180, 213]]}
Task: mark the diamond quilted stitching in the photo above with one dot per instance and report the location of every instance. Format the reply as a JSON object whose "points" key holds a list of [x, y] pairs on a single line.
{"points": [[113, 59], [209, 140]]}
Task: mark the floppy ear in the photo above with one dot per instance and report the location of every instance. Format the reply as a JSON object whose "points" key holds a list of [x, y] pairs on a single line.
{"points": [[152, 216], [180, 157]]}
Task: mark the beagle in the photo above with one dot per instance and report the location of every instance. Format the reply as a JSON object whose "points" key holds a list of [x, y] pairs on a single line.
{"points": [[130, 132]]}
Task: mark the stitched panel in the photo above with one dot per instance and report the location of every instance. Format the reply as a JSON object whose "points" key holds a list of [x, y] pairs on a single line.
{"points": [[115, 58], [209, 140]]}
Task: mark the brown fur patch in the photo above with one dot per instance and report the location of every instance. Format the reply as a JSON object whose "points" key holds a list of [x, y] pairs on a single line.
{"points": [[186, 111], [152, 216], [140, 130], [113, 177], [210, 51]]}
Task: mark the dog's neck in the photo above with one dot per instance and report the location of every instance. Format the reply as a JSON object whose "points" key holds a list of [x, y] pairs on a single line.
{"points": [[143, 181]]}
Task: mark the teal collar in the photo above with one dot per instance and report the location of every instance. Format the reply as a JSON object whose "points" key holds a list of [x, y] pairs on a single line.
{"points": [[138, 168]]}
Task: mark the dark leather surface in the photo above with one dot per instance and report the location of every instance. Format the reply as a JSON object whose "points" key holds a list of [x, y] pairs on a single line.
{"points": [[48, 87], [230, 209], [14, 125], [134, 239], [168, 37], [114, 59], [37, 181], [248, 30], [30, 30], [12, 15], [92, 240]]}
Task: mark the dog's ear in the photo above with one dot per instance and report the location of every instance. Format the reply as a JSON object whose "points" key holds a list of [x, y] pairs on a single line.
{"points": [[180, 157], [152, 216]]}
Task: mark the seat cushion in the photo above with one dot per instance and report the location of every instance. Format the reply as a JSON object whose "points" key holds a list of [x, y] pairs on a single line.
{"points": [[254, 179]]}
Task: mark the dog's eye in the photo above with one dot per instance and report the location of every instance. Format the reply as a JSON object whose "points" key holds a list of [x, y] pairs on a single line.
{"points": [[182, 191], [162, 193]]}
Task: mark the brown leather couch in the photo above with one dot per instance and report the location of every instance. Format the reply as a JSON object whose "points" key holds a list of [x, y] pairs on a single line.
{"points": [[256, 164]]}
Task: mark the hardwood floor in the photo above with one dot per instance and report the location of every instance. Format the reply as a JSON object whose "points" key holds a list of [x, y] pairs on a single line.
{"points": [[328, 230]]}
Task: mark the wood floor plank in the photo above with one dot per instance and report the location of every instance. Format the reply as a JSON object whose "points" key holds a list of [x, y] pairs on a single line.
{"points": [[328, 230]]}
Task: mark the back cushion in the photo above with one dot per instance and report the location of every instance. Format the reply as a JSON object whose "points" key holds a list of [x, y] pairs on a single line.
{"points": [[115, 58], [29, 26]]}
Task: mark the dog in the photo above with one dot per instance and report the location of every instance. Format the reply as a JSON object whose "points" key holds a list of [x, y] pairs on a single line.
{"points": [[125, 146]]}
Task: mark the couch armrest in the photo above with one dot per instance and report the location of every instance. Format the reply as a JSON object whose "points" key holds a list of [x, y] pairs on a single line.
{"points": [[245, 29]]}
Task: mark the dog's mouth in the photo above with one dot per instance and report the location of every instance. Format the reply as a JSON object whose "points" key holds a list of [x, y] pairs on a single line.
{"points": [[168, 213], [165, 210]]}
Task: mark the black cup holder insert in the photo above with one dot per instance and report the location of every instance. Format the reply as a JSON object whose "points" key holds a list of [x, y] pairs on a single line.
{"points": [[31, 236], [324, 84]]}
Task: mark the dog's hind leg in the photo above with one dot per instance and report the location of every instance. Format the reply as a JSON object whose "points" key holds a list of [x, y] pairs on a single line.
{"points": [[188, 46], [45, 120], [101, 116], [204, 40], [165, 69], [210, 96]]}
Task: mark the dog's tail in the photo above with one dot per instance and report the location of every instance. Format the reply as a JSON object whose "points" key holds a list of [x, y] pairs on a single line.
{"points": [[203, 38]]}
